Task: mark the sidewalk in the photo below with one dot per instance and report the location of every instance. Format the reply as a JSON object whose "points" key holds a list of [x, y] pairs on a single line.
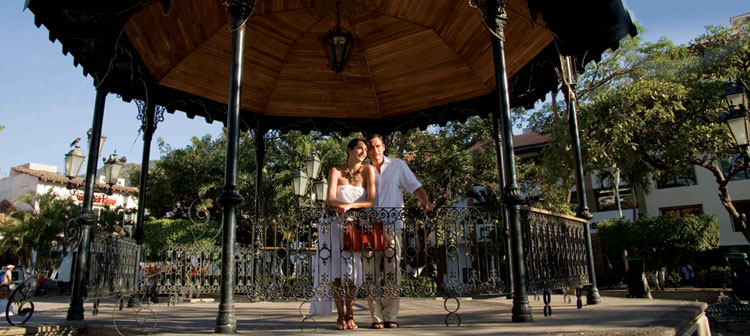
{"points": [[486, 316]]}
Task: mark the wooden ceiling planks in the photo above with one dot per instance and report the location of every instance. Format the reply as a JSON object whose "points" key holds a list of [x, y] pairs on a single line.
{"points": [[206, 71], [263, 7], [407, 80], [409, 55], [164, 41], [307, 86]]}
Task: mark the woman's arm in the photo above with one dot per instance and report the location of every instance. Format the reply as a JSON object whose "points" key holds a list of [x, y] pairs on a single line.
{"points": [[333, 183]]}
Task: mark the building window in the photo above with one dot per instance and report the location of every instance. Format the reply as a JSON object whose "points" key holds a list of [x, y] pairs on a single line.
{"points": [[727, 165], [678, 179], [683, 210], [743, 207]]}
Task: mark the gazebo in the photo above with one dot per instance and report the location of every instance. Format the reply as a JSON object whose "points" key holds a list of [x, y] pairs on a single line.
{"points": [[344, 66]]}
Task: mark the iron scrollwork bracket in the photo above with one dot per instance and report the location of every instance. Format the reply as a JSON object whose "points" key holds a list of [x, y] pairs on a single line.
{"points": [[493, 15], [144, 118]]}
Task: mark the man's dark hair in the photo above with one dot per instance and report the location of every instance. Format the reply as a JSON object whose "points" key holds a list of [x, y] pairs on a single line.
{"points": [[373, 136]]}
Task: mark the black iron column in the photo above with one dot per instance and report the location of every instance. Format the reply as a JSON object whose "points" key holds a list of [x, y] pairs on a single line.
{"points": [[592, 297], [149, 118], [503, 211], [495, 18], [239, 12], [75, 311]]}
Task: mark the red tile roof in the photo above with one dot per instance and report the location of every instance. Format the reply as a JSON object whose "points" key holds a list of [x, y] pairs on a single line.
{"points": [[62, 179], [530, 139]]}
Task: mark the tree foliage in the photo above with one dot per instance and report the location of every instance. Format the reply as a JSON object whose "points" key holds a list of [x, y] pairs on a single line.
{"points": [[651, 109], [662, 240], [39, 229]]}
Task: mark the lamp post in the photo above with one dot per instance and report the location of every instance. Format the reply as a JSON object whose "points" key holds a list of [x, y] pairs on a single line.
{"points": [[738, 116], [300, 180], [112, 167], [73, 162]]}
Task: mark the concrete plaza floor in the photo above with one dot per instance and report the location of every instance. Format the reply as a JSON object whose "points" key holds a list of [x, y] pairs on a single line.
{"points": [[479, 316]]}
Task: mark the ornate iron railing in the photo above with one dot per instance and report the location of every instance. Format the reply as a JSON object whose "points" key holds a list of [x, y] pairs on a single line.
{"points": [[554, 250], [451, 252], [111, 266]]}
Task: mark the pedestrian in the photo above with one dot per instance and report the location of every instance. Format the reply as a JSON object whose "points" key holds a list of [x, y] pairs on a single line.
{"points": [[8, 276], [393, 175]]}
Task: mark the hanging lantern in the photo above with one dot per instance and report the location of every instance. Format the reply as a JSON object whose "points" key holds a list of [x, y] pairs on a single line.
{"points": [[337, 44]]}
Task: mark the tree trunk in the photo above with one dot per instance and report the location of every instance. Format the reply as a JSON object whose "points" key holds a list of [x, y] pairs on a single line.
{"points": [[724, 197]]}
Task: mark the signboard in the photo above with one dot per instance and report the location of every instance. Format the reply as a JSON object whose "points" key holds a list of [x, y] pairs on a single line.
{"points": [[99, 199]]}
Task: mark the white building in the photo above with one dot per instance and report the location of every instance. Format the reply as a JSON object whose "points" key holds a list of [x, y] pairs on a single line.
{"points": [[39, 179]]}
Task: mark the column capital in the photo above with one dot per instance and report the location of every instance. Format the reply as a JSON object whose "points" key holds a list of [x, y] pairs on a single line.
{"points": [[493, 15], [239, 12]]}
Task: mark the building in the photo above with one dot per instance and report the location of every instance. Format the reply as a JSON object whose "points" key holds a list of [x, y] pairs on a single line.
{"points": [[39, 179]]}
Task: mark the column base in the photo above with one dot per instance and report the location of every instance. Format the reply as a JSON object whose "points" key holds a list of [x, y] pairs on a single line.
{"points": [[592, 296], [75, 313], [226, 322], [521, 312]]}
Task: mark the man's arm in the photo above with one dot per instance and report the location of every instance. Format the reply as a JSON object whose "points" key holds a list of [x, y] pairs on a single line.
{"points": [[424, 201]]}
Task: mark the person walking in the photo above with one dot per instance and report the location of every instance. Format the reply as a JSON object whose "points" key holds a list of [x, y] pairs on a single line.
{"points": [[393, 175]]}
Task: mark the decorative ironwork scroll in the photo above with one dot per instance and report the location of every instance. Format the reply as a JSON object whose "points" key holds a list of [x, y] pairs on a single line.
{"points": [[298, 254], [554, 250], [110, 271]]}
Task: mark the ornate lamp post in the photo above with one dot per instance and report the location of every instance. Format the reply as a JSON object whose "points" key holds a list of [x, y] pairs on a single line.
{"points": [[112, 167], [73, 162], [738, 116], [300, 180]]}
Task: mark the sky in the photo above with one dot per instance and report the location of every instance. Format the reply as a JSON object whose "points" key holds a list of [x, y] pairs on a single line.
{"points": [[46, 102]]}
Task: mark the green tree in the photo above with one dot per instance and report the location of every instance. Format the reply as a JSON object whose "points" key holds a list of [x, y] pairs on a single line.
{"points": [[39, 229], [662, 241], [652, 109]]}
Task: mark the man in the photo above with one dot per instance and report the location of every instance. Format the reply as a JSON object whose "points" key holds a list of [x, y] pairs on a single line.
{"points": [[393, 176]]}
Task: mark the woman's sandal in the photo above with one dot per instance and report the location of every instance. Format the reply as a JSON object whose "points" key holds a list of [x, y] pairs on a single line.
{"points": [[341, 324], [377, 325], [350, 322], [389, 324]]}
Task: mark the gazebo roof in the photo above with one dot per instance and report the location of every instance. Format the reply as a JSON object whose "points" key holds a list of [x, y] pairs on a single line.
{"points": [[414, 63]]}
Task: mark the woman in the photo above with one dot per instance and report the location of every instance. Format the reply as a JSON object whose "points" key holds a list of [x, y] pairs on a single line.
{"points": [[352, 186]]}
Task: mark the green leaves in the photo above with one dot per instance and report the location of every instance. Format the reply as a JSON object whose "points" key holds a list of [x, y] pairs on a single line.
{"points": [[661, 240]]}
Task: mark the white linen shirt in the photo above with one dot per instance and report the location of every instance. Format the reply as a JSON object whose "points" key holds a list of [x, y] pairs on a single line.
{"points": [[394, 176]]}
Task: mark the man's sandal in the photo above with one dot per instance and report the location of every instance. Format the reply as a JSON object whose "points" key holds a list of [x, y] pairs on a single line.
{"points": [[391, 324], [377, 325]]}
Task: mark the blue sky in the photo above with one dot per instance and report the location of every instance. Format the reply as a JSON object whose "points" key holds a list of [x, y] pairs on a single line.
{"points": [[46, 102]]}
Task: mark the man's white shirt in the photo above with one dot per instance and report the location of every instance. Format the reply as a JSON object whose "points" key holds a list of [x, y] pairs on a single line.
{"points": [[394, 176]]}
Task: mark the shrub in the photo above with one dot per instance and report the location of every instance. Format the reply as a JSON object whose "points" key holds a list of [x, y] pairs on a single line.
{"points": [[673, 280], [715, 277]]}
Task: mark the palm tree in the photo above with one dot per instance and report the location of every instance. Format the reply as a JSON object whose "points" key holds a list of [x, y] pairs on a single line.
{"points": [[38, 229]]}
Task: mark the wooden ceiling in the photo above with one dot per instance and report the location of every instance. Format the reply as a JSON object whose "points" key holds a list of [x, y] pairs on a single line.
{"points": [[408, 55]]}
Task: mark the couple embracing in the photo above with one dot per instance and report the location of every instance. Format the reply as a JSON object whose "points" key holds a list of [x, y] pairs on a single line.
{"points": [[356, 185]]}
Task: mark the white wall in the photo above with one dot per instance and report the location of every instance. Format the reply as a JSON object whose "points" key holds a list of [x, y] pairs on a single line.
{"points": [[16, 185], [705, 192]]}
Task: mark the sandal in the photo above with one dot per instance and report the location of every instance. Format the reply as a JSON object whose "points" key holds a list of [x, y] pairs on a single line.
{"points": [[391, 325], [341, 324], [377, 325], [350, 322]]}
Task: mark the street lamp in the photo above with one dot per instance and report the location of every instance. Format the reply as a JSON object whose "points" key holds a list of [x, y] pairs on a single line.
{"points": [[737, 118], [73, 162], [300, 180], [112, 167]]}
